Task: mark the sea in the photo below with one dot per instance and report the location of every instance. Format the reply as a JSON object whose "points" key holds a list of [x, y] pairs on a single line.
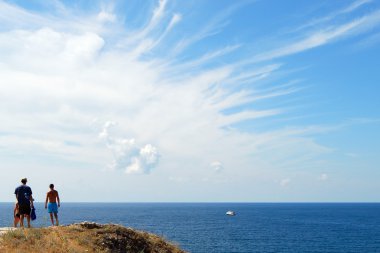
{"points": [[256, 227]]}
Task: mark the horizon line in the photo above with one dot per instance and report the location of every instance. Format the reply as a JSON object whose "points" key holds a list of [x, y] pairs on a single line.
{"points": [[213, 202]]}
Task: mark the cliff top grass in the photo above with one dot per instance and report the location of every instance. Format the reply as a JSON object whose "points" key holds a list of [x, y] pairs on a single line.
{"points": [[84, 237]]}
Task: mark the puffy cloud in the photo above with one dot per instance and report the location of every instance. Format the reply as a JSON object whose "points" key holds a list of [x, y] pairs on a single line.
{"points": [[104, 134], [83, 47], [146, 160], [217, 166], [127, 155]]}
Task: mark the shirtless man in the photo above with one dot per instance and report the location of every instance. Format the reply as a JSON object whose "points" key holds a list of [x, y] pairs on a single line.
{"points": [[52, 198]]}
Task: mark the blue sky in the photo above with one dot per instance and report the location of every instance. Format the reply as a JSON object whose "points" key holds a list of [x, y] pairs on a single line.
{"points": [[191, 100]]}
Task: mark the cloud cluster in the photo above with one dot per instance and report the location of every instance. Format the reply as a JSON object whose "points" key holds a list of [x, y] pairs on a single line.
{"points": [[127, 155], [217, 166]]}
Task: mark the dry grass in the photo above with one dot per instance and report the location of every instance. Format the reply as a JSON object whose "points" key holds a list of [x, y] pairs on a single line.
{"points": [[84, 237]]}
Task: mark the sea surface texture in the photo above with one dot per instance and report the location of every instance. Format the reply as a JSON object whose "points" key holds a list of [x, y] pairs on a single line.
{"points": [[204, 227]]}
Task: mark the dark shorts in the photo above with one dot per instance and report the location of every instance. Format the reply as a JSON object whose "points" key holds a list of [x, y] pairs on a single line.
{"points": [[24, 209]]}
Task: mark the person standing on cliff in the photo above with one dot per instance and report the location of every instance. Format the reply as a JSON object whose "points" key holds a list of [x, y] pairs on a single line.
{"points": [[52, 198], [25, 201], [16, 215]]}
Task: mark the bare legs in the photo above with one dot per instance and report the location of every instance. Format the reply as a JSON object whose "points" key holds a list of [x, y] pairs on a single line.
{"points": [[28, 219], [56, 219], [16, 221], [22, 220], [52, 219]]}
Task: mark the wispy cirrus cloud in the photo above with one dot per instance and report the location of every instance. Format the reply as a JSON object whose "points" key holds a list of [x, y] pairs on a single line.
{"points": [[213, 27], [321, 38], [320, 32], [343, 11], [355, 5]]}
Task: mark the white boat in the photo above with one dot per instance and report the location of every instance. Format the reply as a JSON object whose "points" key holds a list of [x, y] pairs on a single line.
{"points": [[230, 213]]}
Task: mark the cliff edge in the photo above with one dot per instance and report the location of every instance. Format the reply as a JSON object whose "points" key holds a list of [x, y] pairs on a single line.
{"points": [[84, 237]]}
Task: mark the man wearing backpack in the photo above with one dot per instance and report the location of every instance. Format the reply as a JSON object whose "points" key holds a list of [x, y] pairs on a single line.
{"points": [[25, 201]]}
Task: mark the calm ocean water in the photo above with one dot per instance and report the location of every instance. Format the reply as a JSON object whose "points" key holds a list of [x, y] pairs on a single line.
{"points": [[204, 227]]}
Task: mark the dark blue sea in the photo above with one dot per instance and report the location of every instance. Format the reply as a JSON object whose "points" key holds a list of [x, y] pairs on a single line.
{"points": [[257, 227]]}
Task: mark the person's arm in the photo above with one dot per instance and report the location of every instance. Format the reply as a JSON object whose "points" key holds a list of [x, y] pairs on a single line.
{"points": [[30, 197], [58, 200], [46, 201], [31, 201], [16, 192], [15, 211]]}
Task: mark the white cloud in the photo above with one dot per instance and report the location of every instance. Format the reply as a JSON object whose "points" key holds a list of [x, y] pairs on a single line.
{"points": [[104, 16], [142, 37], [214, 26], [83, 47], [317, 39], [104, 134], [217, 166], [148, 158], [322, 36], [322, 20], [355, 5], [127, 156]]}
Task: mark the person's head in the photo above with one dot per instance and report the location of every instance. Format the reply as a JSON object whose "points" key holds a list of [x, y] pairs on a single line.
{"points": [[51, 186], [24, 180]]}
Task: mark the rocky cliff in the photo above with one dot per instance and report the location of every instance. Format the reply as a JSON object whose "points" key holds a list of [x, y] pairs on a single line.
{"points": [[84, 237]]}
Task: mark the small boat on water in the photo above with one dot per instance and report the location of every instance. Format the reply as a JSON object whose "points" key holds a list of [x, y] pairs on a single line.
{"points": [[230, 213]]}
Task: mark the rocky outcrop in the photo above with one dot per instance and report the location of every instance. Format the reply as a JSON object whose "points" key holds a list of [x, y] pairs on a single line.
{"points": [[84, 237]]}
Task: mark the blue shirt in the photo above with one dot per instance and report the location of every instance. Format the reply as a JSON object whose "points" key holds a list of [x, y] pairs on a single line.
{"points": [[23, 193]]}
